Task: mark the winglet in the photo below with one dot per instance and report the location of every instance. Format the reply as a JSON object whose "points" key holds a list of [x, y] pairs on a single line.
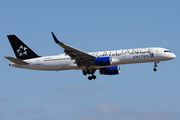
{"points": [[55, 38]]}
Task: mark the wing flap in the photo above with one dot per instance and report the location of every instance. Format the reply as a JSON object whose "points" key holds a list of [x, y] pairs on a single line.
{"points": [[17, 61]]}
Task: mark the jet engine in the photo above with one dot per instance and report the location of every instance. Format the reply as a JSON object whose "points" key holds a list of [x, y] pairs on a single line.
{"points": [[103, 61], [110, 70]]}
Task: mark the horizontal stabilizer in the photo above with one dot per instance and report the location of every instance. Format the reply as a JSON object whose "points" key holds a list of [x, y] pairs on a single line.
{"points": [[17, 61]]}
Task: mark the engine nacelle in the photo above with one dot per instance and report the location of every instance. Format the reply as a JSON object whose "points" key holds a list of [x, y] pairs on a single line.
{"points": [[110, 70], [103, 61]]}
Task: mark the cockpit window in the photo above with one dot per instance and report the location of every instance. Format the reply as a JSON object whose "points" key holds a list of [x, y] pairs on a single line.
{"points": [[166, 51]]}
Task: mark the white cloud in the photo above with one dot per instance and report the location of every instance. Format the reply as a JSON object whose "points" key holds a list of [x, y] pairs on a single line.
{"points": [[2, 100], [87, 91], [107, 108], [32, 110], [116, 112]]}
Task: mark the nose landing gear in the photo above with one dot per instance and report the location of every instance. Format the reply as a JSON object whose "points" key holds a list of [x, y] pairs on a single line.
{"points": [[155, 65]]}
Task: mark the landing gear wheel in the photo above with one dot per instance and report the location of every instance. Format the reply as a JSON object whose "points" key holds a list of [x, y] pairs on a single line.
{"points": [[84, 73], [91, 72], [90, 78], [155, 65], [94, 77]]}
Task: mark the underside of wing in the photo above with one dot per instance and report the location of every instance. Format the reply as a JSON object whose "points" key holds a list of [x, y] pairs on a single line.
{"points": [[81, 57]]}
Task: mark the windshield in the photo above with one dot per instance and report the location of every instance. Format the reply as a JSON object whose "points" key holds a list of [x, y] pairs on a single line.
{"points": [[166, 51]]}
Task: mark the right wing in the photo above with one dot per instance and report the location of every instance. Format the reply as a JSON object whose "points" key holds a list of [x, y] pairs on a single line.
{"points": [[81, 57]]}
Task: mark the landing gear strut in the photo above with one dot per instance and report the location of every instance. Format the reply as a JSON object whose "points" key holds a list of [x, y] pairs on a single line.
{"points": [[92, 71]]}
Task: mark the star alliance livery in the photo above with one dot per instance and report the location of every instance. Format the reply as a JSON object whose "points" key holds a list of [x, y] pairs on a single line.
{"points": [[106, 61]]}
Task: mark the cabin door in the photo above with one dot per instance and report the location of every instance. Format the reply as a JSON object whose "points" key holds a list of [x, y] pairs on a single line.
{"points": [[38, 63]]}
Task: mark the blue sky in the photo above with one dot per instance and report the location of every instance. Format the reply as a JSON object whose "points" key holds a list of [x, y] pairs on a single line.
{"points": [[137, 93]]}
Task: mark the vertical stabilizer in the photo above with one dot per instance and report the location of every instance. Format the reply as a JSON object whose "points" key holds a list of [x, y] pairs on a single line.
{"points": [[21, 50]]}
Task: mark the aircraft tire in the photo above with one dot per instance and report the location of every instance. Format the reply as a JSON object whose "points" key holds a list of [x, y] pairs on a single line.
{"points": [[84, 73], [94, 77], [90, 78]]}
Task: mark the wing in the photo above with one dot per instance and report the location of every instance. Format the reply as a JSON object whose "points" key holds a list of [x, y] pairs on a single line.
{"points": [[81, 57]]}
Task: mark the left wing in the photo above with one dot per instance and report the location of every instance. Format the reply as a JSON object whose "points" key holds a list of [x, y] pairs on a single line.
{"points": [[81, 57]]}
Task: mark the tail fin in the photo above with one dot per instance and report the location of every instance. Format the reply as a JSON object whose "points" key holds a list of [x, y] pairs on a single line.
{"points": [[21, 50]]}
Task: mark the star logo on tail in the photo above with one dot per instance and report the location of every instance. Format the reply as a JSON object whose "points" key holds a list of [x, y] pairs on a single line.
{"points": [[22, 51]]}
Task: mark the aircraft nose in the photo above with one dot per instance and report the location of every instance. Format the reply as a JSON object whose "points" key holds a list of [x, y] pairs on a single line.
{"points": [[173, 56]]}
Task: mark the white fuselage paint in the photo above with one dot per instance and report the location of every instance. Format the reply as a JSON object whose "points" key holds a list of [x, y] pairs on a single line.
{"points": [[128, 56]]}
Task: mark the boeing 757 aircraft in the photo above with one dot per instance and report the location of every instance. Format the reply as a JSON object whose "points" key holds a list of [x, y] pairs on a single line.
{"points": [[106, 61]]}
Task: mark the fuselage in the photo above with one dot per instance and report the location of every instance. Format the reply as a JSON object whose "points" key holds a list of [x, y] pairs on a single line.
{"points": [[119, 57]]}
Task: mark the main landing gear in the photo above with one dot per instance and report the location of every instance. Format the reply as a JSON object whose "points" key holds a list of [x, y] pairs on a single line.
{"points": [[92, 71], [155, 65], [92, 77]]}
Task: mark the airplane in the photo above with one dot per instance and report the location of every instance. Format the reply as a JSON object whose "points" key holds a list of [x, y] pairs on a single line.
{"points": [[105, 61]]}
